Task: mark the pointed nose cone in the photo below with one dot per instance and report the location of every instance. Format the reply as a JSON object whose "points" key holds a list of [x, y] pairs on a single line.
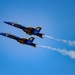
{"points": [[10, 23], [4, 34], [5, 22]]}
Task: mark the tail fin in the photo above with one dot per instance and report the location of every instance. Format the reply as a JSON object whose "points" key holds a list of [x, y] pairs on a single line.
{"points": [[39, 28], [30, 40]]}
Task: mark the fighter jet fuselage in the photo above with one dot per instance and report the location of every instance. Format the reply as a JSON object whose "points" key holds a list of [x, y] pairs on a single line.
{"points": [[20, 40], [27, 30]]}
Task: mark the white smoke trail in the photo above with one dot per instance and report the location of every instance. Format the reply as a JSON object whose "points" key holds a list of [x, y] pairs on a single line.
{"points": [[61, 40], [70, 53]]}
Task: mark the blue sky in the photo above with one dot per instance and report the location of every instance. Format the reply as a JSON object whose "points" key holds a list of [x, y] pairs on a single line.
{"points": [[56, 18]]}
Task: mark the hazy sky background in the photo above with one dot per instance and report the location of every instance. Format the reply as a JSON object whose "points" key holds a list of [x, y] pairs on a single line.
{"points": [[57, 18]]}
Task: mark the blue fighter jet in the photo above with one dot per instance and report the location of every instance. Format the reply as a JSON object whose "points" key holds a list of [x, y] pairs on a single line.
{"points": [[20, 40], [27, 30]]}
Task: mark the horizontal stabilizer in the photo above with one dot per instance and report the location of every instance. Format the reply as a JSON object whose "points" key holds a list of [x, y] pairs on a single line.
{"points": [[40, 35]]}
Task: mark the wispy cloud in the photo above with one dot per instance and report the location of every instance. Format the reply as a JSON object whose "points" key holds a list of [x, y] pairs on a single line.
{"points": [[70, 53], [61, 40]]}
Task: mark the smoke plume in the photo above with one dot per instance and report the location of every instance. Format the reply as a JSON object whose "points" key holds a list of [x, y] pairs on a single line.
{"points": [[70, 53], [61, 40]]}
